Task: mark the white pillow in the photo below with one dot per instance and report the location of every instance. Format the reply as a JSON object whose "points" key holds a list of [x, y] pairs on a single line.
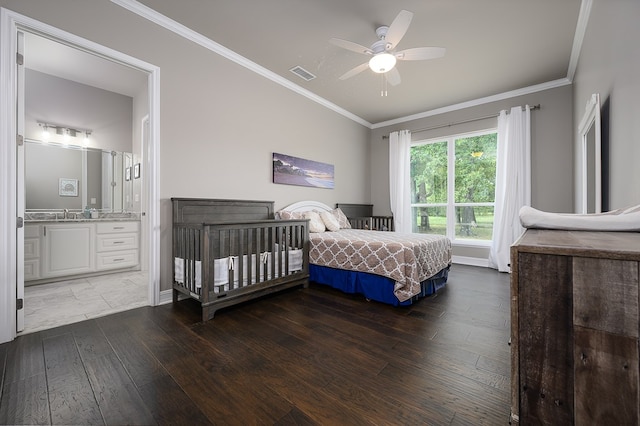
{"points": [[315, 221], [330, 221]]}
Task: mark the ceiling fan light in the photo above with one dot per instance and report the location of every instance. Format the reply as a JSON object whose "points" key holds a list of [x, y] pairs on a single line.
{"points": [[382, 63]]}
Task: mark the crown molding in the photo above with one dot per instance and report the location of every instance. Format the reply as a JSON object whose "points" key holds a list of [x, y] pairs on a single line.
{"points": [[480, 101], [191, 35], [578, 38], [171, 25]]}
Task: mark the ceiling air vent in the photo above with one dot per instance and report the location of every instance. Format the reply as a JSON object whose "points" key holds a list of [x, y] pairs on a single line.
{"points": [[302, 73]]}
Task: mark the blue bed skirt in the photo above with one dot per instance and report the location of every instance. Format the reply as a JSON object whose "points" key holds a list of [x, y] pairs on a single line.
{"points": [[374, 287]]}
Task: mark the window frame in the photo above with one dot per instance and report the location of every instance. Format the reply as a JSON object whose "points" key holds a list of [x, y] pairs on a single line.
{"points": [[451, 205]]}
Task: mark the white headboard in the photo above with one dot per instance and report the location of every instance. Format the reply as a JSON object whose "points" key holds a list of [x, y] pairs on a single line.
{"points": [[305, 206]]}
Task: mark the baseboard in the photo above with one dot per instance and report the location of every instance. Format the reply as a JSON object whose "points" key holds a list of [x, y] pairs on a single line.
{"points": [[166, 296], [471, 261]]}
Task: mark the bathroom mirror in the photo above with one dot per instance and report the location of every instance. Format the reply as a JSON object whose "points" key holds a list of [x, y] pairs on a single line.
{"points": [[71, 177], [590, 157]]}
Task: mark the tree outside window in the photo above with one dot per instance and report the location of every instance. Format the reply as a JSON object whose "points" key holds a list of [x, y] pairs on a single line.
{"points": [[453, 186]]}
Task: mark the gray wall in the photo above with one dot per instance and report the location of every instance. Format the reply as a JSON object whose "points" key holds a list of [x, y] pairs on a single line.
{"points": [[44, 167], [220, 123], [55, 100], [551, 150], [610, 65]]}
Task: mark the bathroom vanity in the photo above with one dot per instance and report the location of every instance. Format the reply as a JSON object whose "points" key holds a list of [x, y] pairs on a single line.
{"points": [[74, 247]]}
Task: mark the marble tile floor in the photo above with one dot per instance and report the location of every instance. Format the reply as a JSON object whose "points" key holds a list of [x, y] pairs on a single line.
{"points": [[65, 302]]}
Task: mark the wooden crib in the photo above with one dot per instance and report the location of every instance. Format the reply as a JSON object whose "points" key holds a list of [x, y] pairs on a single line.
{"points": [[229, 251]]}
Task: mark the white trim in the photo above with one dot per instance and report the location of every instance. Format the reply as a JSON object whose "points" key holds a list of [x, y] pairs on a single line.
{"points": [[578, 37], [8, 152], [480, 101], [191, 35], [471, 261], [9, 23]]}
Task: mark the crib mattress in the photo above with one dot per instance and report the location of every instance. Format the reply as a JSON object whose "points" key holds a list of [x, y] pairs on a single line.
{"points": [[223, 266]]}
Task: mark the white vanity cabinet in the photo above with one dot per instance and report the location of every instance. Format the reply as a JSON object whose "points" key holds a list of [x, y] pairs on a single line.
{"points": [[117, 245], [31, 252], [71, 249]]}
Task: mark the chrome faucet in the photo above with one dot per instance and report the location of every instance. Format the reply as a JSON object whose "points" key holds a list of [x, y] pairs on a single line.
{"points": [[65, 215]]}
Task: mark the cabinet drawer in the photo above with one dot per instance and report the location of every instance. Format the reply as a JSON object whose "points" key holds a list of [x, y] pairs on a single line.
{"points": [[31, 248], [113, 242], [123, 259], [116, 227], [31, 269], [31, 231]]}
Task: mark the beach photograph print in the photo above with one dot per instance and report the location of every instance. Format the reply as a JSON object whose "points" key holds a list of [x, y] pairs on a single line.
{"points": [[290, 170]]}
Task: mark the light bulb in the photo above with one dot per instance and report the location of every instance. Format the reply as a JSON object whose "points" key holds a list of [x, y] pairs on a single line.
{"points": [[86, 138], [382, 62], [45, 133], [66, 137]]}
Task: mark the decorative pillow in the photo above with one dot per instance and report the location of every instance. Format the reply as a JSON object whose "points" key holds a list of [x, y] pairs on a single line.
{"points": [[287, 215], [342, 218], [315, 221], [330, 221]]}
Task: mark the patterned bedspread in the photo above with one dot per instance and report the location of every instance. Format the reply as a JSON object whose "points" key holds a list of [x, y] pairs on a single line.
{"points": [[406, 258]]}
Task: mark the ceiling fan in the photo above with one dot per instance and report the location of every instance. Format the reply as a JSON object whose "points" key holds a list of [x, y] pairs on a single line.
{"points": [[384, 55]]}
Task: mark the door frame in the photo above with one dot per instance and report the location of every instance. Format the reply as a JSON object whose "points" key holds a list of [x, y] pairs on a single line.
{"points": [[10, 22]]}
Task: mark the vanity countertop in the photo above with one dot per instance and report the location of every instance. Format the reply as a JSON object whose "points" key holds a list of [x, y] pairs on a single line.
{"points": [[77, 217]]}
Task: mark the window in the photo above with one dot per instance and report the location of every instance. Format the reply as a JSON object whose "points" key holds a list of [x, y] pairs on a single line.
{"points": [[453, 183]]}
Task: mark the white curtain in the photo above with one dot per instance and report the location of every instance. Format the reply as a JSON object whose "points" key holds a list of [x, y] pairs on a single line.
{"points": [[513, 183], [399, 179]]}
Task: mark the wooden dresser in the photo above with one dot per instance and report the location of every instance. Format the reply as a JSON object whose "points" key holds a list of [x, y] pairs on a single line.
{"points": [[574, 328]]}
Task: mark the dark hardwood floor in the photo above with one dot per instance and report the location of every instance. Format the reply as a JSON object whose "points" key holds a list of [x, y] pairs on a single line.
{"points": [[302, 357]]}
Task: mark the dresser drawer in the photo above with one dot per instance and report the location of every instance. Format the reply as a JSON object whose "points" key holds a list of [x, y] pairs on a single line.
{"points": [[122, 259], [114, 242], [116, 227]]}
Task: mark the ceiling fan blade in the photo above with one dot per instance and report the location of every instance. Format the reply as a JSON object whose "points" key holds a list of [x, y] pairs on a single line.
{"points": [[354, 71], [349, 45], [420, 53], [393, 76], [398, 28]]}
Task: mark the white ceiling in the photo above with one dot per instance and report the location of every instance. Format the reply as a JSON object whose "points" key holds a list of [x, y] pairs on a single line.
{"points": [[493, 47]]}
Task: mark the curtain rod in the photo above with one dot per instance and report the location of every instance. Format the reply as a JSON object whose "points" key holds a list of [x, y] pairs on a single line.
{"points": [[471, 120]]}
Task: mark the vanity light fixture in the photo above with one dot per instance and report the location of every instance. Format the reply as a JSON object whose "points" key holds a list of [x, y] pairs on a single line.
{"points": [[65, 132], [66, 136], [45, 132]]}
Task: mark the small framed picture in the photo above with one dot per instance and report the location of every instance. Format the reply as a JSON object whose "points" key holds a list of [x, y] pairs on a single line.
{"points": [[68, 187], [136, 170], [127, 173]]}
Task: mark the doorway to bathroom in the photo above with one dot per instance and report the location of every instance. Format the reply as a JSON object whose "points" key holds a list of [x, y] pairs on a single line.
{"points": [[143, 91]]}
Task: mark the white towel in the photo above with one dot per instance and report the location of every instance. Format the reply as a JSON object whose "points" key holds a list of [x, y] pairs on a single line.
{"points": [[627, 219]]}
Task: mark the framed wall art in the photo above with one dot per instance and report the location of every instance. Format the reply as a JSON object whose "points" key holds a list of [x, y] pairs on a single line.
{"points": [[289, 170], [68, 187]]}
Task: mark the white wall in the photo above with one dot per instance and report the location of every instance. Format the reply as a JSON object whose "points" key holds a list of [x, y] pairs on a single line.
{"points": [[610, 65]]}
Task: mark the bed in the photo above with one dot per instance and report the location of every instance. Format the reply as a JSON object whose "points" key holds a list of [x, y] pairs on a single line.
{"points": [[387, 267], [227, 252]]}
